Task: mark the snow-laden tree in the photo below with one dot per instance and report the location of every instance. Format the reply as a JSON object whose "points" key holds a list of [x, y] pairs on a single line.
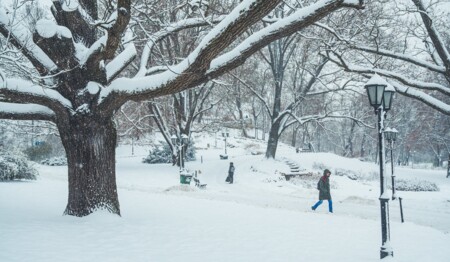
{"points": [[77, 57]]}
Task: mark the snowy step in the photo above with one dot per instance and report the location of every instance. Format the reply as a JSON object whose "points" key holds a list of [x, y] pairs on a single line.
{"points": [[291, 175]]}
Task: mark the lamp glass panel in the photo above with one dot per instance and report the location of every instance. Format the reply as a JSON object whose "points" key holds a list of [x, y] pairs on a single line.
{"points": [[387, 100], [379, 94], [388, 135], [371, 93], [394, 136], [174, 139]]}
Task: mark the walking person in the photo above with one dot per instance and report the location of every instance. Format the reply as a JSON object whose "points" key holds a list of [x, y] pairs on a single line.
{"points": [[324, 191], [230, 173]]}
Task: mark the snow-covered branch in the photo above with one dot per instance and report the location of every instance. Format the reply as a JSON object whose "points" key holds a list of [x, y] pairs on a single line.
{"points": [[24, 92], [384, 52], [304, 119], [407, 90], [281, 28], [436, 38], [25, 112], [168, 30], [423, 97], [123, 59], [21, 38]]}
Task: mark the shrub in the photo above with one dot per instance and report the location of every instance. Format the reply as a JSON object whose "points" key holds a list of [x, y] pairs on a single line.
{"points": [[55, 161], [16, 167], [159, 154], [162, 154], [415, 185]]}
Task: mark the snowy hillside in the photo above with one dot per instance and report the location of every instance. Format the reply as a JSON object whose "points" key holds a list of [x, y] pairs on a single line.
{"points": [[261, 217]]}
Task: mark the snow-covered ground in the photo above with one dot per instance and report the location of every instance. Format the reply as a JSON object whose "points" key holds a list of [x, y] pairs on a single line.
{"points": [[259, 218]]}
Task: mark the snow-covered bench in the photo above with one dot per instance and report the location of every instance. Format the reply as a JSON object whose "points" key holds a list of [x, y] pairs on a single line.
{"points": [[303, 150], [197, 181], [198, 184]]}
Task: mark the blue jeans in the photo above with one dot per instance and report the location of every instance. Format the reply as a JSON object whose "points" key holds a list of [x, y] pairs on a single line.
{"points": [[330, 205]]}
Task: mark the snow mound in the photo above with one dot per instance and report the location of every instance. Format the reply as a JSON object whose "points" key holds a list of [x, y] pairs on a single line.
{"points": [[183, 188]]}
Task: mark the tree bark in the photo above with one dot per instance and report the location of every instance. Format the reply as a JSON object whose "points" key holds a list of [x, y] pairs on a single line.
{"points": [[448, 166], [90, 144], [272, 143]]}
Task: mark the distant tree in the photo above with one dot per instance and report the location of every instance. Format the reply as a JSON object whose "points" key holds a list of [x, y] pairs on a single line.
{"points": [[406, 42]]}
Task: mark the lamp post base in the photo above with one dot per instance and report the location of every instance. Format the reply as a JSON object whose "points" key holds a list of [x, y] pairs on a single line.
{"points": [[386, 252]]}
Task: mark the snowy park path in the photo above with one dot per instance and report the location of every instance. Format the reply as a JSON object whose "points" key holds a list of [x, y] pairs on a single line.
{"points": [[251, 220]]}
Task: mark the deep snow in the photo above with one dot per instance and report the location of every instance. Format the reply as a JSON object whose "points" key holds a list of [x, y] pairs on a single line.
{"points": [[259, 218]]}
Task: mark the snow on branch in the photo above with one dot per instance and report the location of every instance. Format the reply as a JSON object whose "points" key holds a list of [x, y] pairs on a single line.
{"points": [[48, 29], [25, 112], [122, 60], [281, 28], [193, 70], [190, 72], [304, 119], [387, 73], [22, 91], [56, 42], [71, 15], [166, 31], [405, 90], [387, 53], [423, 97], [21, 38]]}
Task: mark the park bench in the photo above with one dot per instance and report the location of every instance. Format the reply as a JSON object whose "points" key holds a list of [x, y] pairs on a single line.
{"points": [[307, 149], [303, 150], [197, 181]]}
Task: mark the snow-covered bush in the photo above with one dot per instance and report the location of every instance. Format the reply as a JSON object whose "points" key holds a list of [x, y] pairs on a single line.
{"points": [[356, 174], [415, 185], [320, 166], [159, 154], [16, 167], [254, 149], [309, 181], [55, 161], [351, 174], [162, 154]]}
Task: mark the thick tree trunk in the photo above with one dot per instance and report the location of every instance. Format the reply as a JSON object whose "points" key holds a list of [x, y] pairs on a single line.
{"points": [[272, 144], [90, 144]]}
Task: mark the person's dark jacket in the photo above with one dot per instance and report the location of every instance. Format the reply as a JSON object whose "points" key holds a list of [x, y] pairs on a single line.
{"points": [[324, 188], [231, 170]]}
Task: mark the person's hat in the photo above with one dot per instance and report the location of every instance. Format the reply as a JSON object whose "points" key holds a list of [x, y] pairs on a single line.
{"points": [[326, 171]]}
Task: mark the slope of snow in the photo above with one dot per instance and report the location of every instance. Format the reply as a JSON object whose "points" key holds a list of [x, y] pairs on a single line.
{"points": [[259, 218]]}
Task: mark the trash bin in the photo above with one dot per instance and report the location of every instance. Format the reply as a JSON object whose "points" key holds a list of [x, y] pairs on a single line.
{"points": [[185, 178]]}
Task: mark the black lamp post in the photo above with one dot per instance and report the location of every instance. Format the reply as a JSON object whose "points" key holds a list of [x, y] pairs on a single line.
{"points": [[380, 95], [391, 136], [225, 134], [180, 143]]}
